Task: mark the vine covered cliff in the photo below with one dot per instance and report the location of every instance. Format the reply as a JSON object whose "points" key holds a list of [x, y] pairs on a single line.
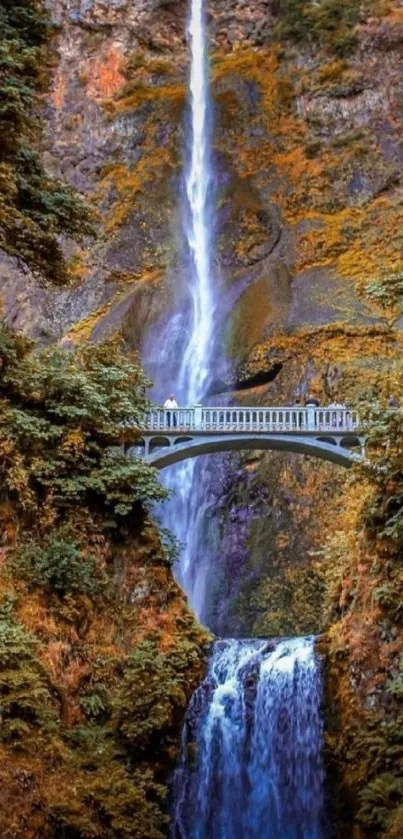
{"points": [[99, 653]]}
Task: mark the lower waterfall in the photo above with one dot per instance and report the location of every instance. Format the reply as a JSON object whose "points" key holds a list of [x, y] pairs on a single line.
{"points": [[251, 760]]}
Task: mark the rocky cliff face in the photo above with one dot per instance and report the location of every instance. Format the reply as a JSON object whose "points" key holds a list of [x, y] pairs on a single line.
{"points": [[308, 151], [308, 154], [307, 158]]}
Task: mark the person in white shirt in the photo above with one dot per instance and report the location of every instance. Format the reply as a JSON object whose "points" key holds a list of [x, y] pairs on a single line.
{"points": [[171, 405]]}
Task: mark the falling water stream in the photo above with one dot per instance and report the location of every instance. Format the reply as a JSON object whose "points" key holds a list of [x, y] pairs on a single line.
{"points": [[184, 515], [196, 366]]}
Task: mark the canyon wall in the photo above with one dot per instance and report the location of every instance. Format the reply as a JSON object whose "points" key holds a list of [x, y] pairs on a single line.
{"points": [[307, 152]]}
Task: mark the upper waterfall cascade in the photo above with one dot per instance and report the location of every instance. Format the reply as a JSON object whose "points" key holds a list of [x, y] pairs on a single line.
{"points": [[185, 513], [195, 367]]}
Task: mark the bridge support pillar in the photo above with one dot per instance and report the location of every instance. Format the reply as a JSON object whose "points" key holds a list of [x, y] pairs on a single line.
{"points": [[310, 417], [198, 415]]}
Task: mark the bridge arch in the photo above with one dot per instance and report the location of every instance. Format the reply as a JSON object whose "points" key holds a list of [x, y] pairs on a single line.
{"points": [[324, 449], [327, 439], [158, 442], [351, 442]]}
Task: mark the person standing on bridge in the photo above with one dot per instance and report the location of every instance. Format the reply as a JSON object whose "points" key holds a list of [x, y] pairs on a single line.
{"points": [[171, 405]]}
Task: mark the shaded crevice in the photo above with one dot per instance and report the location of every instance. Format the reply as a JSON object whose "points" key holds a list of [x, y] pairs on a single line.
{"points": [[264, 377]]}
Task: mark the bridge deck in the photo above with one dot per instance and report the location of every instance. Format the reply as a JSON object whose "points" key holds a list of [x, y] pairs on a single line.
{"points": [[228, 420]]}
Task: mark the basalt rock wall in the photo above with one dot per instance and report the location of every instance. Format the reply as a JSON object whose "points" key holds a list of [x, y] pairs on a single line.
{"points": [[307, 159]]}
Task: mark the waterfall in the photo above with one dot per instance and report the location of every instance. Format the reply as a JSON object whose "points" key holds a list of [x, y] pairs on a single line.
{"points": [[196, 364], [251, 765], [184, 515]]}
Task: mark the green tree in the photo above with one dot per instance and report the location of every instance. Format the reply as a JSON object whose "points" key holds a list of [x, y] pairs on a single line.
{"points": [[64, 418], [383, 516], [330, 23], [59, 563]]}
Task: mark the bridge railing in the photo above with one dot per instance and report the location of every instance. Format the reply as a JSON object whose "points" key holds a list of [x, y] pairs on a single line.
{"points": [[229, 419], [160, 419]]}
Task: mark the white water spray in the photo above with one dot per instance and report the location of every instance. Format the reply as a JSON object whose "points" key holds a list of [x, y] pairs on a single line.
{"points": [[251, 764], [195, 368], [184, 515]]}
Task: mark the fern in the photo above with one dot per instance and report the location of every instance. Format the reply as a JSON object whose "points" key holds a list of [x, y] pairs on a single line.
{"points": [[60, 564], [25, 698]]}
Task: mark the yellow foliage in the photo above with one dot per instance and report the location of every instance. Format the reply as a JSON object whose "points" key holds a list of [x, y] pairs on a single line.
{"points": [[275, 106], [248, 63], [170, 95], [327, 238], [74, 441], [18, 481], [332, 71], [154, 164], [359, 236], [378, 245], [81, 330]]}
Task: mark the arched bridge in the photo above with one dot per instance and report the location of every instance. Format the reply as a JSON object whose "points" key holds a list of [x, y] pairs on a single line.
{"points": [[170, 436]]}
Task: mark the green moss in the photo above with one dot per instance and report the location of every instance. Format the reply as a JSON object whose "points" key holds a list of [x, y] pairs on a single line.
{"points": [[154, 690], [387, 289], [34, 208], [330, 23]]}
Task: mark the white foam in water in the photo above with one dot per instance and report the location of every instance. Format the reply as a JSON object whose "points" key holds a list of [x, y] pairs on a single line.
{"points": [[256, 725]]}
